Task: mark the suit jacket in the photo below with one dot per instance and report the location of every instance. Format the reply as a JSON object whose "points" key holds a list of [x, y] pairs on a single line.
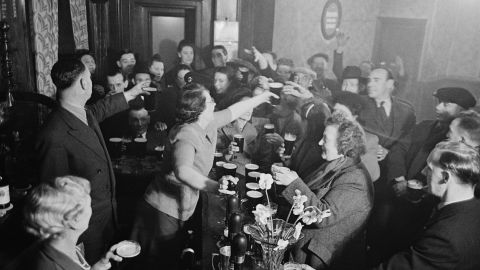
{"points": [[339, 240], [396, 140], [450, 241], [66, 146], [42, 256], [425, 136]]}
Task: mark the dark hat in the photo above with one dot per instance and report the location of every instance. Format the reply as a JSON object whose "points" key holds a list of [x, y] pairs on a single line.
{"points": [[457, 95], [351, 72]]}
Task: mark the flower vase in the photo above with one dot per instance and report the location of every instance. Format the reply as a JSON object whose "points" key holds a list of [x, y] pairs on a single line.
{"points": [[272, 258], [268, 238]]}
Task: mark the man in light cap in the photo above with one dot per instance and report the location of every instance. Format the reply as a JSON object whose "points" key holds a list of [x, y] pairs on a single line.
{"points": [[410, 217]]}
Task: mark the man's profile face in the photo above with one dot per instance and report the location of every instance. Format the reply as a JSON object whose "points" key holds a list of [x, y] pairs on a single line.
{"points": [[378, 83], [126, 63], [116, 83], [219, 59], [138, 121], [446, 111], [436, 185]]}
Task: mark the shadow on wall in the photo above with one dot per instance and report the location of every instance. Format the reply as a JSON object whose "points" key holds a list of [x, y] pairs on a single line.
{"points": [[168, 51], [425, 102]]}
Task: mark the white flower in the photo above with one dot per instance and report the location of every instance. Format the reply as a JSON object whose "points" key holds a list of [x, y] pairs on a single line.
{"points": [[298, 230], [282, 244], [265, 181], [298, 201], [262, 213], [310, 217], [298, 209]]}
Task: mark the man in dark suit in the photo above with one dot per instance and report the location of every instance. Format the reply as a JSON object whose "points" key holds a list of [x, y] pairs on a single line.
{"points": [[71, 143], [139, 122], [392, 120], [409, 217], [450, 239]]}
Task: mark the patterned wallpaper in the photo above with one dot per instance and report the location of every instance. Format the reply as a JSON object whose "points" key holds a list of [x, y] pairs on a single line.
{"points": [[297, 32], [78, 11], [45, 36]]}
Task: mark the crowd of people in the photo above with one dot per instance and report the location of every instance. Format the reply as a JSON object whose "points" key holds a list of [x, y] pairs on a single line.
{"points": [[358, 147]]}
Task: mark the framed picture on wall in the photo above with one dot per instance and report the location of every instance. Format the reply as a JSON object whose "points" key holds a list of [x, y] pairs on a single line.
{"points": [[331, 18]]}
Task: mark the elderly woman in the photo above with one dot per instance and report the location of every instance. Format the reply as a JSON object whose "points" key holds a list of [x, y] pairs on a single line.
{"points": [[349, 105], [342, 185], [171, 198], [58, 213]]}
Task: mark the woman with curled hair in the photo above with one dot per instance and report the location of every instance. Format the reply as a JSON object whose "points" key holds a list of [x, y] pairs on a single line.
{"points": [[58, 213], [226, 86], [172, 196], [343, 185]]}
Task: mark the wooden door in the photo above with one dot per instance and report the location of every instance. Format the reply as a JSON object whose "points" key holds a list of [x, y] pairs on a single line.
{"points": [[402, 37]]}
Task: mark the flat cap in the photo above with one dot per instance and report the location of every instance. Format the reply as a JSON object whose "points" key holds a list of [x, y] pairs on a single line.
{"points": [[457, 95]]}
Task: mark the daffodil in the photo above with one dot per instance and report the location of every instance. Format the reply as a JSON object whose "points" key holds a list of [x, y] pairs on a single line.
{"points": [[298, 201], [265, 181], [262, 213], [310, 216]]}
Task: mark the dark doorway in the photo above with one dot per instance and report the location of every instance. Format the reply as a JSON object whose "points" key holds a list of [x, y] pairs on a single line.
{"points": [[404, 38]]}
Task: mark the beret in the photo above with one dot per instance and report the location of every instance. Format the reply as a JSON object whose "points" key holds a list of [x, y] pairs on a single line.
{"points": [[457, 95]]}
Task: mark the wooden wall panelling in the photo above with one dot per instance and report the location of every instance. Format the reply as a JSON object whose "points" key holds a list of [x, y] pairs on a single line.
{"points": [[98, 32], [20, 46]]}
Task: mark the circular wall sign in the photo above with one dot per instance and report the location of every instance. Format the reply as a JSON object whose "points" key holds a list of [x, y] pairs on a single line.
{"points": [[331, 17]]}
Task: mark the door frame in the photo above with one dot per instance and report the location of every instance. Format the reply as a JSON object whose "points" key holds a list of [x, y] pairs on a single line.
{"points": [[203, 20], [406, 22]]}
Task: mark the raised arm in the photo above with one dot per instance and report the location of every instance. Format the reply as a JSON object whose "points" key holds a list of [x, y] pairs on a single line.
{"points": [[240, 108], [111, 105]]}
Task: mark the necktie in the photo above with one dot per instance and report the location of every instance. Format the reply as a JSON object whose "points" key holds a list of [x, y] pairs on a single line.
{"points": [[381, 112]]}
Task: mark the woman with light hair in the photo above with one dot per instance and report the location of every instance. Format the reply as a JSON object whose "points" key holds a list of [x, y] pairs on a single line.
{"points": [[58, 213], [341, 184]]}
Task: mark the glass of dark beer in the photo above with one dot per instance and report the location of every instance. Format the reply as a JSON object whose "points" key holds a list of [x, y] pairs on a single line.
{"points": [[230, 169], [250, 167], [289, 141], [276, 88], [140, 146], [414, 190], [239, 140], [269, 128], [115, 147]]}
